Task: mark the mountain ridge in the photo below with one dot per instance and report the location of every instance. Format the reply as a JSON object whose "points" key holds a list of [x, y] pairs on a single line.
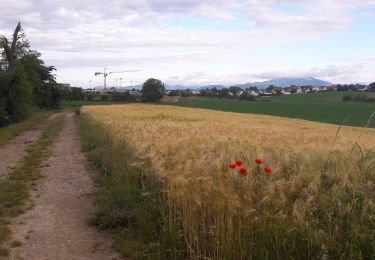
{"points": [[279, 82]]}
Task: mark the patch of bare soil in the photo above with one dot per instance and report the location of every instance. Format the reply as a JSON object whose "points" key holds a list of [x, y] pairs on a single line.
{"points": [[56, 227], [13, 151], [170, 99]]}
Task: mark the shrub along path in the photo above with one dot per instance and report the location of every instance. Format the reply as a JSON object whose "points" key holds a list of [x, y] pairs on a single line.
{"points": [[13, 151], [56, 227]]}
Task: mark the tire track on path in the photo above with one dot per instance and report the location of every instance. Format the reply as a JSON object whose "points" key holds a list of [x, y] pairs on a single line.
{"points": [[56, 227], [12, 152]]}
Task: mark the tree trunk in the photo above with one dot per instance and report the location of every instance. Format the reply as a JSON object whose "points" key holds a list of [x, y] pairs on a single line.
{"points": [[10, 51]]}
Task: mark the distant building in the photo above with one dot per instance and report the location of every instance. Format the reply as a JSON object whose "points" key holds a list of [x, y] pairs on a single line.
{"points": [[196, 92]]}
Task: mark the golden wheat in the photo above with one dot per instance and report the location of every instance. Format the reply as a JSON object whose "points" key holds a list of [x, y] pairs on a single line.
{"points": [[298, 208]]}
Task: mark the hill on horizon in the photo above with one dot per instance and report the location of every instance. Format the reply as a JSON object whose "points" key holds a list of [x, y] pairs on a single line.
{"points": [[287, 82], [279, 82]]}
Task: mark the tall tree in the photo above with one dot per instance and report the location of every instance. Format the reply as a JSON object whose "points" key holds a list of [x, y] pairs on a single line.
{"points": [[372, 87], [10, 48], [153, 90], [26, 82]]}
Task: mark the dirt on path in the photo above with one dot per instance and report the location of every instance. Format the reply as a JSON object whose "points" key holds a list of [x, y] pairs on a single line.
{"points": [[13, 151], [56, 227]]}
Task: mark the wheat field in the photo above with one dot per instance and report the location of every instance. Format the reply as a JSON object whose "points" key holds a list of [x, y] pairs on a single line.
{"points": [[318, 201]]}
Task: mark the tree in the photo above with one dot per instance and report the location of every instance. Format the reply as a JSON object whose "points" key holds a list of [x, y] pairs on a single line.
{"points": [[14, 50], [25, 82], [122, 97], [224, 93], [246, 96], [270, 88], [372, 87], [235, 89], [15, 96], [347, 98], [153, 90]]}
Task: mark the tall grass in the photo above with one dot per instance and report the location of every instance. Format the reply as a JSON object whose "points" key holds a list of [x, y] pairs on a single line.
{"points": [[128, 194], [163, 181]]}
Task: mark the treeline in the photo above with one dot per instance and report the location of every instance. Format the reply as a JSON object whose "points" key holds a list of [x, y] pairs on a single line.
{"points": [[358, 98], [356, 87], [26, 83], [152, 91], [231, 93]]}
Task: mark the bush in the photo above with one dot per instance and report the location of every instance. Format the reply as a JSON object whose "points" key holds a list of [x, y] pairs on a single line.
{"points": [[360, 98], [347, 98], [89, 97], [104, 97], [122, 97]]}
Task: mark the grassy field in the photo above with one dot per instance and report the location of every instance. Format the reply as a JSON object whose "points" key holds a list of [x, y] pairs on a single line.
{"points": [[325, 107], [165, 188]]}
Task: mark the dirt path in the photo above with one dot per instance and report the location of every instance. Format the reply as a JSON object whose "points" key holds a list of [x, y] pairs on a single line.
{"points": [[56, 227], [13, 151]]}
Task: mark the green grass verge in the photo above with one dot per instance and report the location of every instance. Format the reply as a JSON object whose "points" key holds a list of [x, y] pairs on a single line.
{"points": [[10, 132], [14, 189], [325, 107], [129, 196]]}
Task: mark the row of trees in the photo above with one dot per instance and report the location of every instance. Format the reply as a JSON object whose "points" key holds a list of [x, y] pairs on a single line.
{"points": [[358, 98], [26, 83]]}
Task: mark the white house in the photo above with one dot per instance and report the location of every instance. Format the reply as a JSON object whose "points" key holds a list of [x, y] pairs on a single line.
{"points": [[254, 93]]}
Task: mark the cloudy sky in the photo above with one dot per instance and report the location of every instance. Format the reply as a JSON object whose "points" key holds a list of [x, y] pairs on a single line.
{"points": [[195, 42]]}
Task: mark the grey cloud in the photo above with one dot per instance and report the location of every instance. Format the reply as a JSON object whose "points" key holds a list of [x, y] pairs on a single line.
{"points": [[116, 27]]}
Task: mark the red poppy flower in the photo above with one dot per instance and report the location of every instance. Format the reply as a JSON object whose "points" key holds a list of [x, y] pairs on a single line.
{"points": [[232, 166], [267, 170], [243, 171], [239, 163], [258, 161]]}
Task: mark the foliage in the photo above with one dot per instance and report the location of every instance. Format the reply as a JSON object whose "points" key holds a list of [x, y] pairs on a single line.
{"points": [[69, 93], [122, 97], [153, 90], [104, 97], [26, 83], [224, 93], [16, 98], [372, 87], [234, 89], [358, 98]]}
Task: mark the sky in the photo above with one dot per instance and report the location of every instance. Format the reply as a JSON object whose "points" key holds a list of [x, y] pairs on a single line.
{"points": [[199, 42]]}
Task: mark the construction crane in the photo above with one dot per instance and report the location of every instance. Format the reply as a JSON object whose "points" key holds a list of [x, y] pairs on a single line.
{"points": [[105, 74]]}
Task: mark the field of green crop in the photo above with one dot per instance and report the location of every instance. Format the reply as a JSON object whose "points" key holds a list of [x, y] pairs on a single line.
{"points": [[325, 107]]}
